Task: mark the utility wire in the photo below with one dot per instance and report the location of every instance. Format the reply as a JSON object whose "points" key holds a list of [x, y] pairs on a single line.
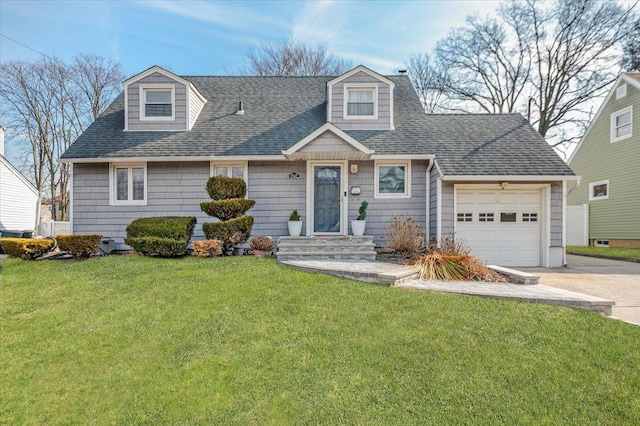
{"points": [[24, 45]]}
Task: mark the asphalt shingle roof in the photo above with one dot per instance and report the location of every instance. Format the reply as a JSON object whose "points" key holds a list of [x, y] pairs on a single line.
{"points": [[280, 111]]}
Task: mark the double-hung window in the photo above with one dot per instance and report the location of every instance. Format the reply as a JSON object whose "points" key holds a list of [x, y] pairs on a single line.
{"points": [[621, 124], [361, 102], [128, 184], [392, 179], [236, 170], [157, 102]]}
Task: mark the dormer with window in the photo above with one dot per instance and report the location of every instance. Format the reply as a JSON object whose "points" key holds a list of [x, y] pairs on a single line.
{"points": [[360, 100], [158, 100]]}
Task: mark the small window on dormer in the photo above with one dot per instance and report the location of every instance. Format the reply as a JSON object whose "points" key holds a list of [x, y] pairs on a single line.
{"points": [[157, 103], [361, 102], [621, 91]]}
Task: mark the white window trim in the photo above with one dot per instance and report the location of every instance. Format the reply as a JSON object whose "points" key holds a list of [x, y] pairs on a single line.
{"points": [[600, 182], [144, 87], [621, 91], [113, 201], [345, 114], [613, 124], [229, 164], [407, 182]]}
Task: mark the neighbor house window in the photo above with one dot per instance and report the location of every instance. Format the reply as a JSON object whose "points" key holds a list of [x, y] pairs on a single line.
{"points": [[128, 184], [621, 124], [361, 102], [157, 102], [392, 179], [621, 91], [236, 170], [599, 190]]}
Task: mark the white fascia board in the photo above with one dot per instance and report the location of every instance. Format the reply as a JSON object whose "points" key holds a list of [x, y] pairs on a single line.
{"points": [[19, 175], [365, 70], [512, 178], [152, 70], [195, 90], [403, 157], [173, 159], [333, 129], [621, 78]]}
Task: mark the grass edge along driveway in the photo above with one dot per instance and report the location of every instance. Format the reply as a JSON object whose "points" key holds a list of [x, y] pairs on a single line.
{"points": [[133, 340]]}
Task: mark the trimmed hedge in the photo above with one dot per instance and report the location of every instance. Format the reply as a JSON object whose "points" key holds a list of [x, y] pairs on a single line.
{"points": [[161, 236], [224, 188], [26, 248], [173, 227], [158, 246], [230, 231], [227, 209], [79, 246]]}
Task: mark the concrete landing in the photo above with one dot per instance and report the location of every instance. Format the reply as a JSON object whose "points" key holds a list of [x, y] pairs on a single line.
{"points": [[533, 293], [362, 270]]}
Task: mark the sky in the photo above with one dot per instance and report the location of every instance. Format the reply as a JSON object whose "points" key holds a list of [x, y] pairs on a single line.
{"points": [[213, 37]]}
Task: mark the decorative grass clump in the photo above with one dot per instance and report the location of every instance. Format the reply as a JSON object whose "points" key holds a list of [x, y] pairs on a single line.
{"points": [[405, 235], [451, 261]]}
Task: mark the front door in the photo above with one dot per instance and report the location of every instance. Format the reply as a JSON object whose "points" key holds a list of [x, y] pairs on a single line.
{"points": [[327, 209]]}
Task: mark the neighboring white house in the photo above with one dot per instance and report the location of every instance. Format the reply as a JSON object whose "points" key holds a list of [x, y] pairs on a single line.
{"points": [[18, 197]]}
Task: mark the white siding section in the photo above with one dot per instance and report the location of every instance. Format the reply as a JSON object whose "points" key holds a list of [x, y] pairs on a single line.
{"points": [[195, 106], [18, 200]]}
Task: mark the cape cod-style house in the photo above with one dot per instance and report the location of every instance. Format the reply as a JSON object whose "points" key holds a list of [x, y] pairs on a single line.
{"points": [[321, 145]]}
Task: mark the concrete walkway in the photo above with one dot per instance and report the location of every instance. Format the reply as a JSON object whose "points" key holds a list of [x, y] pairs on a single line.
{"points": [[407, 277], [609, 279], [527, 293]]}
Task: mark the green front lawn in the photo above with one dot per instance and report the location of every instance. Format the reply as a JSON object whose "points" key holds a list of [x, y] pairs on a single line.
{"points": [[625, 253], [133, 340]]}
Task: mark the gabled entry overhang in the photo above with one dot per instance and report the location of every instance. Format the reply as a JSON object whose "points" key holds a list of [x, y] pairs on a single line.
{"points": [[328, 143]]}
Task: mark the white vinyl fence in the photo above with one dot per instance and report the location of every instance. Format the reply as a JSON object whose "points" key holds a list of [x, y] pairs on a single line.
{"points": [[578, 225], [50, 228]]}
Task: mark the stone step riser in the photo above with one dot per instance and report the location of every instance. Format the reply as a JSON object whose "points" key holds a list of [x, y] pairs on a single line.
{"points": [[325, 249], [299, 256]]}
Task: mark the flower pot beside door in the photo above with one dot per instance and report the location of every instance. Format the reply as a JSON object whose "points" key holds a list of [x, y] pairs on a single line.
{"points": [[295, 224], [358, 225]]}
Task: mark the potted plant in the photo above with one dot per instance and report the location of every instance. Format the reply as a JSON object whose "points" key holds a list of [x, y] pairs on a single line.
{"points": [[358, 225], [295, 224], [261, 245]]}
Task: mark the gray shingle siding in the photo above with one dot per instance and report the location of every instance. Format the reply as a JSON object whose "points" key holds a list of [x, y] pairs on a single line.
{"points": [[133, 93]]}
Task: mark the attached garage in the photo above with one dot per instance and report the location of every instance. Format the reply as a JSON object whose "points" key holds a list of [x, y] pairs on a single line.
{"points": [[501, 226]]}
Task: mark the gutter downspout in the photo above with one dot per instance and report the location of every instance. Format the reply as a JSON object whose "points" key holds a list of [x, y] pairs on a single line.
{"points": [[428, 201]]}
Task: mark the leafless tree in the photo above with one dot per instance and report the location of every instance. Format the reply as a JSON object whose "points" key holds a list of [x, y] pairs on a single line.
{"points": [[561, 54], [292, 58], [575, 57], [49, 103], [488, 63], [428, 80], [631, 49]]}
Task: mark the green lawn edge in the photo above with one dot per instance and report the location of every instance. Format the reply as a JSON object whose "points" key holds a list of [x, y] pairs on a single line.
{"points": [[135, 340]]}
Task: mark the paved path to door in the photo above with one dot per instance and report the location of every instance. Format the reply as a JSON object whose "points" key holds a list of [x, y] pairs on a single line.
{"points": [[609, 279]]}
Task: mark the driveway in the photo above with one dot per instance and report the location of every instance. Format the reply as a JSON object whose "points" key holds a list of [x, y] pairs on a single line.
{"points": [[610, 279]]}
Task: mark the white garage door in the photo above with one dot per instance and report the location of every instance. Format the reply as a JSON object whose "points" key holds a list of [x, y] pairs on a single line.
{"points": [[502, 227]]}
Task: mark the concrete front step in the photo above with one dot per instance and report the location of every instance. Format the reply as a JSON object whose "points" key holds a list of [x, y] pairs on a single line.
{"points": [[326, 255], [341, 247]]}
